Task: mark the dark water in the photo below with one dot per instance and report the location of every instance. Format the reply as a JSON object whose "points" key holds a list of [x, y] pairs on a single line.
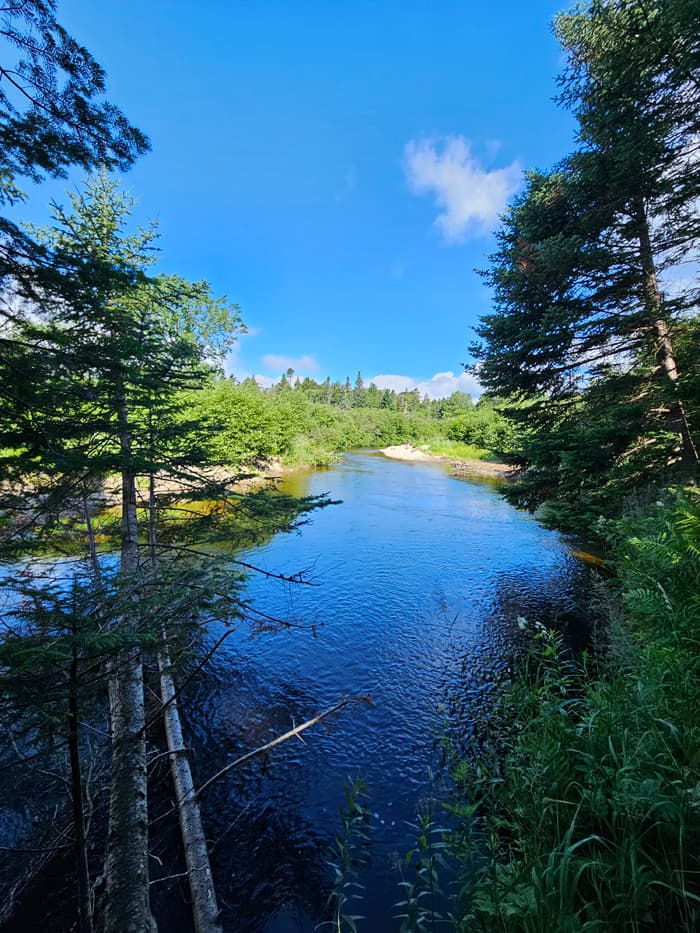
{"points": [[421, 579]]}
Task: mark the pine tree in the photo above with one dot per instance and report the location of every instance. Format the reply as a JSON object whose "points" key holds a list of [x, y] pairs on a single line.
{"points": [[52, 116], [581, 324]]}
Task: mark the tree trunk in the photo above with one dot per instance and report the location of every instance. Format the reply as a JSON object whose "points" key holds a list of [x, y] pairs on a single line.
{"points": [[84, 902], [128, 909], [204, 907], [205, 910], [659, 326]]}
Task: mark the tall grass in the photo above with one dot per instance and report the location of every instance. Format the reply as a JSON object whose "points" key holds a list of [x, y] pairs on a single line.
{"points": [[442, 447], [350, 855]]}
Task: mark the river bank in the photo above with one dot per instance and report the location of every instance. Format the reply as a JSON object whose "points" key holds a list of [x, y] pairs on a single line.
{"points": [[458, 466]]}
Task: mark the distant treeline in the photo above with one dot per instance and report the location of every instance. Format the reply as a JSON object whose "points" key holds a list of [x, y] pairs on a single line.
{"points": [[303, 422]]}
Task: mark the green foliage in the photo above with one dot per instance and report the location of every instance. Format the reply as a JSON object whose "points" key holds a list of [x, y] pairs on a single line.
{"points": [[110, 338], [53, 115], [310, 423], [587, 797], [351, 844], [482, 426], [101, 360], [428, 860], [583, 337], [593, 455], [458, 450], [50, 110]]}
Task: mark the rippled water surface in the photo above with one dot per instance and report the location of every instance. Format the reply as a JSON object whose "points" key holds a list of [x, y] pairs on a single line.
{"points": [[420, 580]]}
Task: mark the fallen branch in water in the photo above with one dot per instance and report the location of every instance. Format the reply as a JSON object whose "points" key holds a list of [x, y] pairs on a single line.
{"points": [[297, 730]]}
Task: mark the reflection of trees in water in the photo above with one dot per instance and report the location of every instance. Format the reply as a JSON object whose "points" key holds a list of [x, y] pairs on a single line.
{"points": [[269, 847], [267, 859], [276, 859], [37, 855], [558, 600]]}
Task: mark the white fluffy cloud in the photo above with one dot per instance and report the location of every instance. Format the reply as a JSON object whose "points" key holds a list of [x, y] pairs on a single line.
{"points": [[469, 196], [302, 365], [438, 386], [265, 382]]}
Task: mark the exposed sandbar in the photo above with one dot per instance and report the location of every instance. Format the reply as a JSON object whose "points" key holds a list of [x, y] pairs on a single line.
{"points": [[458, 465]]}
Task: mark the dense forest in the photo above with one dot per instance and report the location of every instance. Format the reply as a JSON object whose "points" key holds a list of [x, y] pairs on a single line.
{"points": [[123, 446]]}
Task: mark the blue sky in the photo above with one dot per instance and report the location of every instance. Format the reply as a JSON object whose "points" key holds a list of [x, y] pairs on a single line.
{"points": [[333, 166]]}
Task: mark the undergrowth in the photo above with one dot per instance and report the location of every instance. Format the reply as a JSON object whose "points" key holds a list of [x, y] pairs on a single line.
{"points": [[586, 801], [442, 447], [423, 873]]}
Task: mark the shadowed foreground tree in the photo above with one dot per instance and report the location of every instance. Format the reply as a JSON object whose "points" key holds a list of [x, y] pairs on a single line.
{"points": [[117, 348]]}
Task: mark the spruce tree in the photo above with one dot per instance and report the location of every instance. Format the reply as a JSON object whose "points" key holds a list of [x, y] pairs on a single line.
{"points": [[581, 322]]}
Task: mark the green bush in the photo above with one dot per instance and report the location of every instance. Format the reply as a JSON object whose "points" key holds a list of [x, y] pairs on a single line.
{"points": [[482, 426], [249, 424]]}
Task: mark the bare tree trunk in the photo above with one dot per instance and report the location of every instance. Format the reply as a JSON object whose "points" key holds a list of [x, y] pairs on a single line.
{"points": [[659, 325], [204, 907], [128, 909], [92, 544], [205, 910], [85, 904]]}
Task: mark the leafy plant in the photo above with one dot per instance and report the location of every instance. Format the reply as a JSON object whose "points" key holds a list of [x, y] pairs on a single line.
{"points": [[586, 797], [429, 857], [351, 842]]}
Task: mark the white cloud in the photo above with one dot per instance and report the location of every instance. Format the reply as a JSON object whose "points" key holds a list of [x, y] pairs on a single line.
{"points": [[443, 384], [397, 383], [438, 386], [470, 197], [265, 382], [302, 365]]}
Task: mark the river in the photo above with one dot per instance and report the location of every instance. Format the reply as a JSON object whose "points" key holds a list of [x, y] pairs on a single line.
{"points": [[421, 578]]}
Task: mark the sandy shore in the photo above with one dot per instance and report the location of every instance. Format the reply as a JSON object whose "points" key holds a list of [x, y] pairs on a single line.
{"points": [[407, 452], [459, 466]]}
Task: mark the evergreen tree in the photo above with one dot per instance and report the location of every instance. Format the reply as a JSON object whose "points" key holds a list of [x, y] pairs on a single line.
{"points": [[581, 322], [358, 392], [116, 344], [52, 116]]}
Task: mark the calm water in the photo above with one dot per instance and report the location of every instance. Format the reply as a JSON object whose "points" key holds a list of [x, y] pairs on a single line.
{"points": [[421, 577]]}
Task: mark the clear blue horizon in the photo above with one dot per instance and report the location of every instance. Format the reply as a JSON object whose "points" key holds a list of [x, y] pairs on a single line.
{"points": [[337, 169]]}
